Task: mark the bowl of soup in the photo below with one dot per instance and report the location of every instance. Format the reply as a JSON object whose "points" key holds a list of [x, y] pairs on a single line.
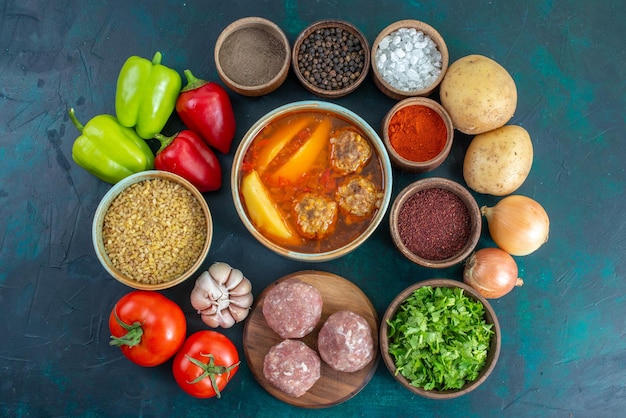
{"points": [[311, 180]]}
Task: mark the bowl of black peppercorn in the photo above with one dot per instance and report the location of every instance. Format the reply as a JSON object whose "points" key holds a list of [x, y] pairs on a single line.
{"points": [[331, 58]]}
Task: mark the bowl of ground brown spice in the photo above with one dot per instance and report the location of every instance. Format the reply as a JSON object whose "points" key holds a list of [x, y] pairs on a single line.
{"points": [[152, 230], [418, 134], [252, 56], [435, 222]]}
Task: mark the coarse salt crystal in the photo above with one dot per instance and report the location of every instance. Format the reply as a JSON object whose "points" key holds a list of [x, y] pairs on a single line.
{"points": [[408, 59]]}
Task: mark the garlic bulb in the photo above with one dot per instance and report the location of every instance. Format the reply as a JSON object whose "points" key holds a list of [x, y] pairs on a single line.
{"points": [[517, 224], [222, 296]]}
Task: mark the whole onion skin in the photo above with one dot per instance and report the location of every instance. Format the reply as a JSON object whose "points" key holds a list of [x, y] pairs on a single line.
{"points": [[517, 224], [492, 272]]}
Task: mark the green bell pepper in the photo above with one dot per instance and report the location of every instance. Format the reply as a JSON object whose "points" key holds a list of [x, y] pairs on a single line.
{"points": [[146, 95], [109, 150]]}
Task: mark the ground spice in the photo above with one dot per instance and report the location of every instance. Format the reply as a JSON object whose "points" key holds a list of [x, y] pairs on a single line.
{"points": [[417, 133], [434, 224], [252, 56]]}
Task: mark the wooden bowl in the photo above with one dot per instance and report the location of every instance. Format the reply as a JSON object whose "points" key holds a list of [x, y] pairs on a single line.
{"points": [[297, 57], [103, 207], [323, 249], [463, 194], [384, 85], [252, 56], [406, 164], [492, 355]]}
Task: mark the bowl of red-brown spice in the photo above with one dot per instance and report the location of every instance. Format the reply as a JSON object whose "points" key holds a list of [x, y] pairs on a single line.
{"points": [[435, 222], [252, 56], [418, 134]]}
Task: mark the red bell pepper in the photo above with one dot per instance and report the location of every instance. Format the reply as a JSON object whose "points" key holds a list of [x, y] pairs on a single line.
{"points": [[205, 108], [188, 156]]}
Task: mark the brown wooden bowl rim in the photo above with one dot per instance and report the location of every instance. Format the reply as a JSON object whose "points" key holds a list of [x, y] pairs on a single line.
{"points": [[418, 166], [463, 194], [490, 317], [429, 30], [331, 23], [274, 30]]}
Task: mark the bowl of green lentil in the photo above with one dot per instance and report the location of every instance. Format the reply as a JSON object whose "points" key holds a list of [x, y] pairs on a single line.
{"points": [[435, 222], [152, 230], [440, 338], [331, 58]]}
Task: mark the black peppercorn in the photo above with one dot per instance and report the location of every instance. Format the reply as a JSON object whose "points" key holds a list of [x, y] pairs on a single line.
{"points": [[332, 59]]}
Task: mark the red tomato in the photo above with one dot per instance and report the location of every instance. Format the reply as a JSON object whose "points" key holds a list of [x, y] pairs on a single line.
{"points": [[205, 364], [148, 327]]}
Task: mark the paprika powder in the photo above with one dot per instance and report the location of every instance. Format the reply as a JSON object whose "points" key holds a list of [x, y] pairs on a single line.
{"points": [[417, 133]]}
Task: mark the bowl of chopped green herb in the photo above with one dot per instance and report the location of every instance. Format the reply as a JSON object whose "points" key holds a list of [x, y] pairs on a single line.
{"points": [[440, 338]]}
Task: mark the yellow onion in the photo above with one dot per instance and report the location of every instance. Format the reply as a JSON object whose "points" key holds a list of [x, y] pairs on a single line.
{"points": [[517, 224], [492, 272]]}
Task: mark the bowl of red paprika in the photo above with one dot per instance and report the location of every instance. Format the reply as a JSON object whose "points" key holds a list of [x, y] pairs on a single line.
{"points": [[435, 222], [418, 134]]}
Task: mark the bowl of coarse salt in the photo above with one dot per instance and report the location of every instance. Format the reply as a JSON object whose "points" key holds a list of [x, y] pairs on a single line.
{"points": [[409, 58]]}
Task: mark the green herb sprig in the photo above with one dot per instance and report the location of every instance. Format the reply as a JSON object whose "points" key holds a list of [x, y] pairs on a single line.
{"points": [[439, 339]]}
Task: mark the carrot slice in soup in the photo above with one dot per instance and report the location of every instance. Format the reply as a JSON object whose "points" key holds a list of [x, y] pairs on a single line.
{"points": [[278, 139], [302, 160], [263, 211]]}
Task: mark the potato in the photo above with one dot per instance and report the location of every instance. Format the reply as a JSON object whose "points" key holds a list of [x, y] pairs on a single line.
{"points": [[478, 94], [497, 162]]}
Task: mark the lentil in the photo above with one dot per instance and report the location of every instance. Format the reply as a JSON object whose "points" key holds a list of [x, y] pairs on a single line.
{"points": [[331, 58], [154, 231], [434, 224]]}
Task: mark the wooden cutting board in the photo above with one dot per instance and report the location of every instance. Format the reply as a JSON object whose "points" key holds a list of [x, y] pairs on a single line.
{"points": [[333, 387]]}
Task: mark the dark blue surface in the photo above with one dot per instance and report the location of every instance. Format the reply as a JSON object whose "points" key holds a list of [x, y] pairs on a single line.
{"points": [[564, 332]]}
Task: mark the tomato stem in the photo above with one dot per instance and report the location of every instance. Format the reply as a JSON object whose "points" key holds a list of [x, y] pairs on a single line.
{"points": [[210, 370], [132, 336]]}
